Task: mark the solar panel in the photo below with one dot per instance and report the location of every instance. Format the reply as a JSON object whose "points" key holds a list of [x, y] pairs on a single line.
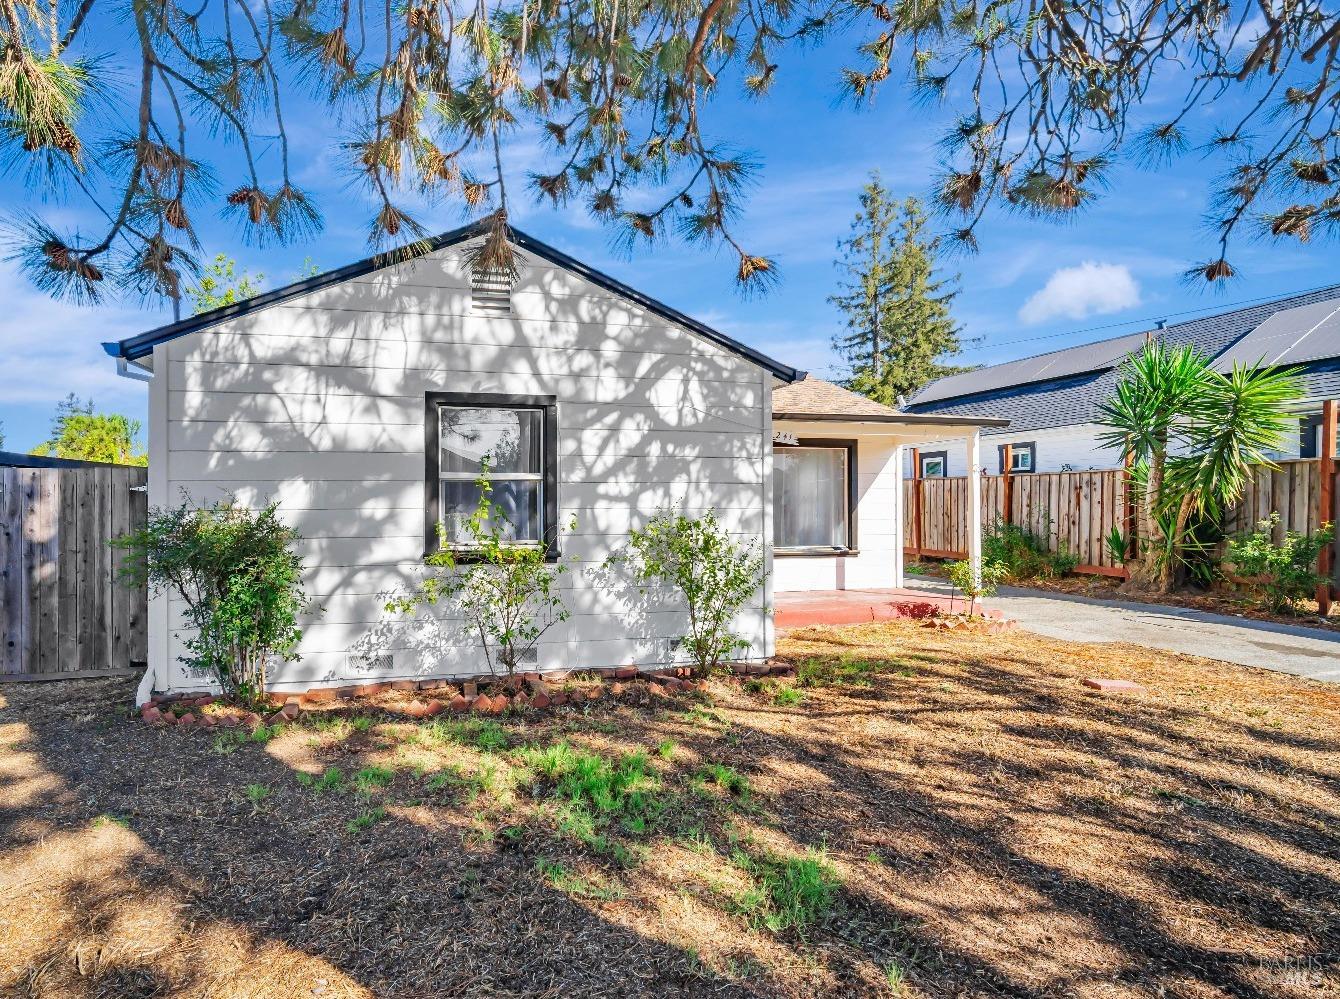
{"points": [[1043, 367], [1294, 336]]}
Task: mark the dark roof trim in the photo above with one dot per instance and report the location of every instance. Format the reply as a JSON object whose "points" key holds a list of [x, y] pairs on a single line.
{"points": [[143, 344], [909, 419]]}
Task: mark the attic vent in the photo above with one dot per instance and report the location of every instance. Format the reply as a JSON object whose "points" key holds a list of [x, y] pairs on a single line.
{"points": [[491, 292]]}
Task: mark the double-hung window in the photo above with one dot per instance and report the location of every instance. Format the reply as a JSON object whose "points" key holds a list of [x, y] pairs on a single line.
{"points": [[515, 437], [813, 499]]}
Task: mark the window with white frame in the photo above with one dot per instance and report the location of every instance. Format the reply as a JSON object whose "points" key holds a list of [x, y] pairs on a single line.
{"points": [[935, 465], [812, 498], [514, 435], [1023, 457]]}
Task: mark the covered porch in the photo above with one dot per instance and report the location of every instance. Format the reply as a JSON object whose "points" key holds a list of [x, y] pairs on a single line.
{"points": [[838, 518]]}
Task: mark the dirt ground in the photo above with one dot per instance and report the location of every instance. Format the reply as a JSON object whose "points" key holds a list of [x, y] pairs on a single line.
{"points": [[918, 813]]}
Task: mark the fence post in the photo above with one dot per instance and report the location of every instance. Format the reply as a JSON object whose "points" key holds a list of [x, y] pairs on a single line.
{"points": [[1326, 502], [916, 501], [1128, 508], [1007, 483]]}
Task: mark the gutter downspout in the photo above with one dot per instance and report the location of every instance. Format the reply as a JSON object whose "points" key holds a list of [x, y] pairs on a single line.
{"points": [[137, 372]]}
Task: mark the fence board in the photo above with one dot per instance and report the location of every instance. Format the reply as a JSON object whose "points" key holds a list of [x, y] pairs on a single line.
{"points": [[1078, 510], [64, 609]]}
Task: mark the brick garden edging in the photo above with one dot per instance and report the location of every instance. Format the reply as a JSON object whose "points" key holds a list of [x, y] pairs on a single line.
{"points": [[523, 692]]}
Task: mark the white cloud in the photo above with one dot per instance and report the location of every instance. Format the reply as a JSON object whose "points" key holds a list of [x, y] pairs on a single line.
{"points": [[1090, 289], [52, 348]]}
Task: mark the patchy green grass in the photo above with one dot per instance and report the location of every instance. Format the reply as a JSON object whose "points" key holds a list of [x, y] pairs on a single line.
{"points": [[666, 750], [727, 778], [226, 743], [484, 734], [787, 697], [370, 779], [838, 672], [365, 820], [597, 792], [256, 793], [330, 780], [102, 821], [787, 892], [570, 883]]}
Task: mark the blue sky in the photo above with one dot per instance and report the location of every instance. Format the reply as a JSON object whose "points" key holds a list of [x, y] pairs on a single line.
{"points": [[1034, 285]]}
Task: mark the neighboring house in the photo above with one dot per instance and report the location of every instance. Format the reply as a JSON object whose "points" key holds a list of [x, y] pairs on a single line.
{"points": [[363, 400], [1052, 400]]}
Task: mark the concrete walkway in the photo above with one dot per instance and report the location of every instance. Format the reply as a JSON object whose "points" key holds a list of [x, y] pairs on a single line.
{"points": [[1287, 648]]}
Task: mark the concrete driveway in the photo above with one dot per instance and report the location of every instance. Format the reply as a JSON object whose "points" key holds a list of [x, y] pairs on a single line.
{"points": [[1286, 648]]}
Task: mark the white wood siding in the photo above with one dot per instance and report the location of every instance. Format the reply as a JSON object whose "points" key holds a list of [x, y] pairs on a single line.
{"points": [[1075, 446], [318, 404]]}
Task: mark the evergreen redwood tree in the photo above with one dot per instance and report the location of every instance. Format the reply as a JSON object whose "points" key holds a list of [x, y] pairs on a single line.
{"points": [[899, 325]]}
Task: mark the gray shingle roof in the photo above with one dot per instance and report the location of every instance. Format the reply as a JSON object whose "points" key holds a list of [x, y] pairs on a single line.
{"points": [[1074, 399]]}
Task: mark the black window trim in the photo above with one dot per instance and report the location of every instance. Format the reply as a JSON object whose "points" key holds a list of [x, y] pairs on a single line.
{"points": [[1030, 446], [849, 445], [924, 456], [432, 402]]}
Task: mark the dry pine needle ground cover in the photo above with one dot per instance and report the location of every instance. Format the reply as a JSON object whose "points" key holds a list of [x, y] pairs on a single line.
{"points": [[923, 814]]}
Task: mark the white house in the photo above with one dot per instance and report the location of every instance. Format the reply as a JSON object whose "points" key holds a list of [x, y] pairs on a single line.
{"points": [[1051, 400], [363, 399]]}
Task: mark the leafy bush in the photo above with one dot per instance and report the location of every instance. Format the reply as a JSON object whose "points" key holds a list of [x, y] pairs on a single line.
{"points": [[715, 576], [960, 577], [1024, 554], [506, 592], [237, 573], [1286, 571]]}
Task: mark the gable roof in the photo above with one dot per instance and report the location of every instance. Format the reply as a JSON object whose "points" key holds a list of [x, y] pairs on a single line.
{"points": [[142, 345], [1064, 388]]}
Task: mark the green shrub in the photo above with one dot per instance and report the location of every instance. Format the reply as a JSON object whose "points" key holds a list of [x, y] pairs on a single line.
{"points": [[1287, 572], [506, 592], [714, 575], [1024, 554], [236, 572], [960, 577]]}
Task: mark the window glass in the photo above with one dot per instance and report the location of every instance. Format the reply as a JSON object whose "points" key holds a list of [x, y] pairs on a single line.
{"points": [[810, 497], [1021, 459], [932, 468], [512, 439], [509, 437]]}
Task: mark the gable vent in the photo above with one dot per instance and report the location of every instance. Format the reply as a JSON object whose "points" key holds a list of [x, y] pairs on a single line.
{"points": [[491, 292]]}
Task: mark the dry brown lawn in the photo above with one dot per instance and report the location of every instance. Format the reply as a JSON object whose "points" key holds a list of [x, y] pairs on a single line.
{"points": [[986, 827]]}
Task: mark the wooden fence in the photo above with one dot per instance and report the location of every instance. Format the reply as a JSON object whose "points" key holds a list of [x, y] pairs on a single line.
{"points": [[63, 609], [1078, 510], [1072, 510]]}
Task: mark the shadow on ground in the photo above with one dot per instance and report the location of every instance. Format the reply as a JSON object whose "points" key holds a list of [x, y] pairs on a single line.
{"points": [[995, 832]]}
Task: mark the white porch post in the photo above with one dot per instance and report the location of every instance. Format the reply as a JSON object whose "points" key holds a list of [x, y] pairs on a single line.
{"points": [[898, 517], [975, 505]]}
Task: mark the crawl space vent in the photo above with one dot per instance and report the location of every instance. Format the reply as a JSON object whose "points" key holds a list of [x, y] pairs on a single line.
{"points": [[491, 293], [380, 663]]}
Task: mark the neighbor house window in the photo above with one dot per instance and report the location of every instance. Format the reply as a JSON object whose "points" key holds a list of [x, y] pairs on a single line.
{"points": [[1309, 437], [934, 465], [813, 497], [1023, 457], [515, 436]]}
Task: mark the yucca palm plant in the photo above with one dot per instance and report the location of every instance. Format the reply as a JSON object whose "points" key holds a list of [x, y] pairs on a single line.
{"points": [[1191, 434]]}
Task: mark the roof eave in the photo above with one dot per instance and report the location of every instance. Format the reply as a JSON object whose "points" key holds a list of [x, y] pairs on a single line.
{"points": [[909, 419], [142, 344]]}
